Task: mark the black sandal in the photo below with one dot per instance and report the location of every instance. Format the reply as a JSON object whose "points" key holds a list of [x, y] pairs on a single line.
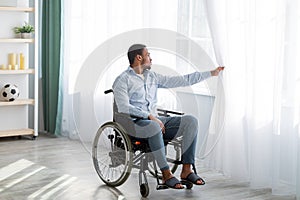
{"points": [[172, 182], [193, 178]]}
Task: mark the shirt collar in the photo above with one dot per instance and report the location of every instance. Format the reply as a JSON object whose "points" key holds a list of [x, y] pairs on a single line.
{"points": [[130, 70]]}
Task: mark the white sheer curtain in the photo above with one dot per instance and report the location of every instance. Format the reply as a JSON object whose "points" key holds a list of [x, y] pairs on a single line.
{"points": [[88, 25], [258, 42]]}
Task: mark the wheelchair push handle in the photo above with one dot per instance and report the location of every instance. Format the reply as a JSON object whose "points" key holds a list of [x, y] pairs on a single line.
{"points": [[108, 91]]}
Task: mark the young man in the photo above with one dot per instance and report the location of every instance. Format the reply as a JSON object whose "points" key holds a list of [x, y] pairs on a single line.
{"points": [[135, 93]]}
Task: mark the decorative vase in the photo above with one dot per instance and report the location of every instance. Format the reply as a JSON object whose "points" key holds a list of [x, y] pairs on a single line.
{"points": [[26, 35], [18, 35]]}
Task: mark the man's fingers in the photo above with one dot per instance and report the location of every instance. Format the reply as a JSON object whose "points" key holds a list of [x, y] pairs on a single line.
{"points": [[163, 129], [162, 126]]}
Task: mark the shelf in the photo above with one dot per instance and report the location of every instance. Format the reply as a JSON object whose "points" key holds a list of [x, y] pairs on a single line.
{"points": [[17, 9], [25, 71], [16, 40], [17, 102], [8, 133]]}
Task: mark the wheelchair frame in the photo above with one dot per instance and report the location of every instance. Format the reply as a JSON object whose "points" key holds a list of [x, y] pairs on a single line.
{"points": [[115, 153]]}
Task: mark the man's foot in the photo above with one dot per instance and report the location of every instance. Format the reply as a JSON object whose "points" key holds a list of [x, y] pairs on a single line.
{"points": [[173, 183], [170, 181], [193, 178], [188, 175]]}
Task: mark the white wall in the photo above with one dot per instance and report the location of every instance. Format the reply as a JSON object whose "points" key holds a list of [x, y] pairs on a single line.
{"points": [[201, 107]]}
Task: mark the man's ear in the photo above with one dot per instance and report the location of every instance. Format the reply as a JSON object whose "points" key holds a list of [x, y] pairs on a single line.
{"points": [[139, 57]]}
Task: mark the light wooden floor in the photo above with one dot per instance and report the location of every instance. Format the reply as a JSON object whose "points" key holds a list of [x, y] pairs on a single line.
{"points": [[59, 168]]}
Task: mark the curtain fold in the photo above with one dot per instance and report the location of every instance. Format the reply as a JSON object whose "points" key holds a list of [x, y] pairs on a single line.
{"points": [[50, 45], [258, 43]]}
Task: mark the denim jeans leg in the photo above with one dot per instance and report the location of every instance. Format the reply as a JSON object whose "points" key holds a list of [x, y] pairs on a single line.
{"points": [[186, 126], [152, 131]]}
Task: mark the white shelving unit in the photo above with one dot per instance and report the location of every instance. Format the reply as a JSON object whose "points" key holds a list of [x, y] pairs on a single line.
{"points": [[15, 116]]}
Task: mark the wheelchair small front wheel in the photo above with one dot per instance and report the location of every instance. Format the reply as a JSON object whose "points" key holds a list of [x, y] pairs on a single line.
{"points": [[112, 155], [144, 189]]}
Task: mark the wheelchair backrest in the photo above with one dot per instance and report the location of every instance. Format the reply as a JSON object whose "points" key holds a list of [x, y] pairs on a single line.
{"points": [[125, 120]]}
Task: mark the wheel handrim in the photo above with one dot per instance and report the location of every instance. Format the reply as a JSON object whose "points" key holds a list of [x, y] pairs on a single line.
{"points": [[112, 160]]}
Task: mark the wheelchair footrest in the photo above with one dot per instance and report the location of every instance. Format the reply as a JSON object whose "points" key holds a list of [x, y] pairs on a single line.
{"points": [[187, 184], [161, 187]]}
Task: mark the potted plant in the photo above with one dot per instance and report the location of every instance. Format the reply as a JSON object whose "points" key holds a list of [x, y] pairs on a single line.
{"points": [[17, 31], [26, 30]]}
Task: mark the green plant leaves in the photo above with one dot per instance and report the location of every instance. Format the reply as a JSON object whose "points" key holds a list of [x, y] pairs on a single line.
{"points": [[26, 28]]}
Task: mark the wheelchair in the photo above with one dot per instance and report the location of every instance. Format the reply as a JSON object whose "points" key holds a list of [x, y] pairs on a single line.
{"points": [[115, 153]]}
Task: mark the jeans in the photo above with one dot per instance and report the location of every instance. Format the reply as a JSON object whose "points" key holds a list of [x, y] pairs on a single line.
{"points": [[186, 126]]}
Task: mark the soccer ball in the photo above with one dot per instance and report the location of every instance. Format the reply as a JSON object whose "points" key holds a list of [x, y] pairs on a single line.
{"points": [[9, 92]]}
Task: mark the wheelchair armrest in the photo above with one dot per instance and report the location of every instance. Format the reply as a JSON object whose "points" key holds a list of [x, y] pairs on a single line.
{"points": [[163, 112], [128, 116]]}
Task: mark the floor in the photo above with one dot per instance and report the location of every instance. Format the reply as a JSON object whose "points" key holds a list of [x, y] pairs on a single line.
{"points": [[58, 168]]}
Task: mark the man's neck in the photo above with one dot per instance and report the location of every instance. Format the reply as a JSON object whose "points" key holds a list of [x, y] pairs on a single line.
{"points": [[137, 69]]}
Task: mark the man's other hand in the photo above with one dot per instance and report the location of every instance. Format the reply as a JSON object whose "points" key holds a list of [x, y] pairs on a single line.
{"points": [[217, 71], [162, 126]]}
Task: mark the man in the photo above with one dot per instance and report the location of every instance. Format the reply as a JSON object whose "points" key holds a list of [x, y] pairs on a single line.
{"points": [[135, 93]]}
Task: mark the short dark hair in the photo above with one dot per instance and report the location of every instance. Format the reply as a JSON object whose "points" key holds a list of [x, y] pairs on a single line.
{"points": [[134, 50]]}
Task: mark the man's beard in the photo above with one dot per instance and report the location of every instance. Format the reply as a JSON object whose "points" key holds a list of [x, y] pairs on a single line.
{"points": [[146, 66]]}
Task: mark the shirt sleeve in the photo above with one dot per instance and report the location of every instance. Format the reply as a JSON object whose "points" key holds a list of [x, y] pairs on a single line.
{"points": [[121, 96], [181, 81]]}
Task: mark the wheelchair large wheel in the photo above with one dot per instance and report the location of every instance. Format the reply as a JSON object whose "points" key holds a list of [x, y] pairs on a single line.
{"points": [[173, 155], [112, 155]]}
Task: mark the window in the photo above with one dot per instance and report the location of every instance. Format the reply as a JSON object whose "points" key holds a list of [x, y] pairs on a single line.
{"points": [[192, 22]]}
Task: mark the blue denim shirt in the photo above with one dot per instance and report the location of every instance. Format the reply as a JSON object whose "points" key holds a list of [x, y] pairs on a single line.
{"points": [[137, 96]]}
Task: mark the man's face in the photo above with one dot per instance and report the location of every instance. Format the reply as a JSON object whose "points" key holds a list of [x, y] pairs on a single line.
{"points": [[146, 59]]}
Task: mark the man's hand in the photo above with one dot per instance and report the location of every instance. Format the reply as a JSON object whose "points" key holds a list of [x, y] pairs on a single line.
{"points": [[162, 126], [217, 71]]}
